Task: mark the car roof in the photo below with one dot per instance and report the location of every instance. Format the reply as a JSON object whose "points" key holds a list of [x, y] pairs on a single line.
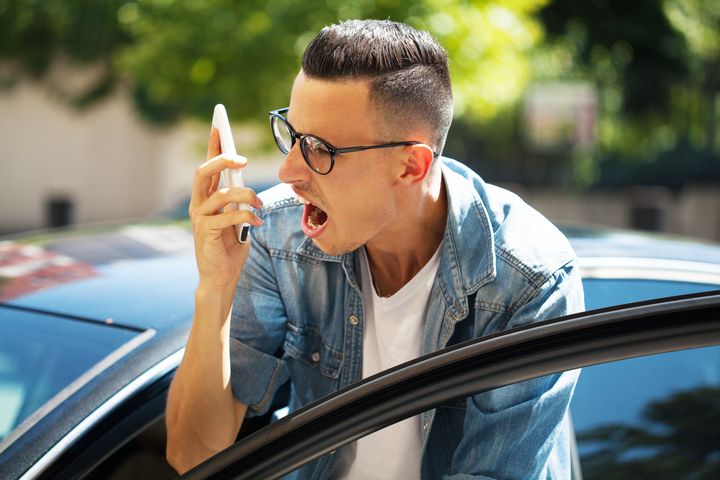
{"points": [[143, 274], [606, 242], [614, 254]]}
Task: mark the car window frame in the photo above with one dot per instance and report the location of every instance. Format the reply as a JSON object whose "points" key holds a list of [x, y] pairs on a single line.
{"points": [[551, 346]]}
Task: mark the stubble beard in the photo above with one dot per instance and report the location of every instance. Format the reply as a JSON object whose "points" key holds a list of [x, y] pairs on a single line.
{"points": [[337, 250]]}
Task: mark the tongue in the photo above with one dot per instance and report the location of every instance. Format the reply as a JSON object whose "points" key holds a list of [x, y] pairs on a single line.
{"points": [[316, 216], [321, 215]]}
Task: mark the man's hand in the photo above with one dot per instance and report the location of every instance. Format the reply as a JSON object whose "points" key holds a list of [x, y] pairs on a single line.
{"points": [[202, 415], [218, 254]]}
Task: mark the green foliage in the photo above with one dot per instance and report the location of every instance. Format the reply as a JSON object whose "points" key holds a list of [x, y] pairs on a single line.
{"points": [[182, 57], [655, 65], [632, 54], [35, 33], [699, 20], [190, 55]]}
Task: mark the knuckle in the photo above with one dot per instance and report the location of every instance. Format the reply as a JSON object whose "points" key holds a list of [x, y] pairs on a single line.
{"points": [[198, 221], [249, 196]]}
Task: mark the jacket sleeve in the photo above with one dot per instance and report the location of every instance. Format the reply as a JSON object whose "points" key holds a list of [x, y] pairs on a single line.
{"points": [[521, 431], [257, 331]]}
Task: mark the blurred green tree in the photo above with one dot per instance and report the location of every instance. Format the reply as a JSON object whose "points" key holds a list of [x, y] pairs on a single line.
{"points": [[181, 57], [634, 56], [36, 33], [699, 22], [656, 68]]}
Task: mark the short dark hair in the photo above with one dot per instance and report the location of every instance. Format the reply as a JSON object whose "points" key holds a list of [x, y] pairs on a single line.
{"points": [[407, 70]]}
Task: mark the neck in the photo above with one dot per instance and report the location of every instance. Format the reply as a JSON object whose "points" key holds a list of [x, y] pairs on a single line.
{"points": [[407, 247]]}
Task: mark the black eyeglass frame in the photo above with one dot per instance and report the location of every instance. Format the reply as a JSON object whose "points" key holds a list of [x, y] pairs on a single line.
{"points": [[297, 136]]}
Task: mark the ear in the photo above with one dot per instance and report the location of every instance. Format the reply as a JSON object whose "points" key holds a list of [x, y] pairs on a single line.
{"points": [[416, 164]]}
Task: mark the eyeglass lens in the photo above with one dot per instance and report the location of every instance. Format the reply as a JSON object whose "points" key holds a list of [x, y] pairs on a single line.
{"points": [[315, 152], [283, 137]]}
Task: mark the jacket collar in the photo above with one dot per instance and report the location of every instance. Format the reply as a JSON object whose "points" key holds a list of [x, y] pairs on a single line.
{"points": [[468, 253], [308, 249]]}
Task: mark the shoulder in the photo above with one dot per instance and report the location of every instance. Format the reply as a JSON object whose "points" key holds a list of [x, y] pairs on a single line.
{"points": [[524, 238], [527, 248]]}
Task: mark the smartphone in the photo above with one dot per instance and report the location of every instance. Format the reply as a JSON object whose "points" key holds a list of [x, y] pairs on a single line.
{"points": [[230, 177]]}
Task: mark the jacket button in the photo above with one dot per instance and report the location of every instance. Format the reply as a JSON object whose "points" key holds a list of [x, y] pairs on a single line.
{"points": [[315, 357], [354, 320]]}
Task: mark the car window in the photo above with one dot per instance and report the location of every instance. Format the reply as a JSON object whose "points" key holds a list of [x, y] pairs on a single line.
{"points": [[650, 417], [602, 292], [41, 354]]}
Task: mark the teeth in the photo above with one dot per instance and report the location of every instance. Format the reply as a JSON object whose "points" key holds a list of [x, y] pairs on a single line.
{"points": [[312, 219]]}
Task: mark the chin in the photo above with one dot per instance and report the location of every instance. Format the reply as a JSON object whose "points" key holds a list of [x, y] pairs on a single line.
{"points": [[335, 249]]}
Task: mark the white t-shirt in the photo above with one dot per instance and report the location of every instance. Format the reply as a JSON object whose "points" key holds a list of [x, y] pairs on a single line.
{"points": [[392, 335]]}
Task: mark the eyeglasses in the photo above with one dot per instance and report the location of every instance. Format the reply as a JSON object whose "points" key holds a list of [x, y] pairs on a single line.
{"points": [[318, 154]]}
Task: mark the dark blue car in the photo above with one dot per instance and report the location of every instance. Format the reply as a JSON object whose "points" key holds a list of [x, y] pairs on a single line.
{"points": [[93, 324]]}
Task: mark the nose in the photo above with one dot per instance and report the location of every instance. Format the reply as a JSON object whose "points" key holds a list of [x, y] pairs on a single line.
{"points": [[294, 169]]}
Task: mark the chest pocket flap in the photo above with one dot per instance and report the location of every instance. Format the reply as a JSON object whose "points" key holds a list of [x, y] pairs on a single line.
{"points": [[306, 345]]}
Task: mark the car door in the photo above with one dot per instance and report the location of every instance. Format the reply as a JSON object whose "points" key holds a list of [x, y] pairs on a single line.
{"points": [[580, 340]]}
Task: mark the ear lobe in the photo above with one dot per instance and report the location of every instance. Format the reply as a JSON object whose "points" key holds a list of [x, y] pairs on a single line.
{"points": [[417, 164]]}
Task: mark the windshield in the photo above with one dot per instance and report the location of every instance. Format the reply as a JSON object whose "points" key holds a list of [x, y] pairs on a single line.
{"points": [[41, 354]]}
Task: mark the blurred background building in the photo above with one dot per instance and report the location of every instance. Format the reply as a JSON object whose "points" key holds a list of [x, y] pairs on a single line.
{"points": [[602, 112]]}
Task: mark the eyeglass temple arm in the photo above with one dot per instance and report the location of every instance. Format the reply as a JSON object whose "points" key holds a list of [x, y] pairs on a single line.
{"points": [[384, 145]]}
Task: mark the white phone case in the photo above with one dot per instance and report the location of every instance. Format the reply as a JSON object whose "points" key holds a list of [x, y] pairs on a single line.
{"points": [[230, 177]]}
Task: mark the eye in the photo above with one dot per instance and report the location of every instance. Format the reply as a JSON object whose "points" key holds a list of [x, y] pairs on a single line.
{"points": [[316, 147]]}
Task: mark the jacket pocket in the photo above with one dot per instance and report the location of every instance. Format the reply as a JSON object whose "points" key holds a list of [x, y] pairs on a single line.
{"points": [[306, 345]]}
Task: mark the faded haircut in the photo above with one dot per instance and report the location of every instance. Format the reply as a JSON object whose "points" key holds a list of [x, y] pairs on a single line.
{"points": [[407, 70]]}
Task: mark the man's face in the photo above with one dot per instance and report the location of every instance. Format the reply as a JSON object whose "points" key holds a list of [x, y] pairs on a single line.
{"points": [[355, 203]]}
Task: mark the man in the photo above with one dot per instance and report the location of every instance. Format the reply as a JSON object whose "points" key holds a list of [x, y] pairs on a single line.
{"points": [[373, 252]]}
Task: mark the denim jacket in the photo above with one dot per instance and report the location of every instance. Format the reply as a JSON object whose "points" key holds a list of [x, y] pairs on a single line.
{"points": [[298, 316]]}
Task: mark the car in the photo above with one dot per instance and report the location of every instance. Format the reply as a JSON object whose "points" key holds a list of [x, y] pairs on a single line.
{"points": [[94, 321]]}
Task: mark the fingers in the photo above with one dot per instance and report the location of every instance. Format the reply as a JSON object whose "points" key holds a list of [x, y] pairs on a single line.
{"points": [[225, 196], [227, 219], [219, 162], [207, 175], [213, 149]]}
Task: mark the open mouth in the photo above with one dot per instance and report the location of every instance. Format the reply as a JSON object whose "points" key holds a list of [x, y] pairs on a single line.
{"points": [[314, 220]]}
